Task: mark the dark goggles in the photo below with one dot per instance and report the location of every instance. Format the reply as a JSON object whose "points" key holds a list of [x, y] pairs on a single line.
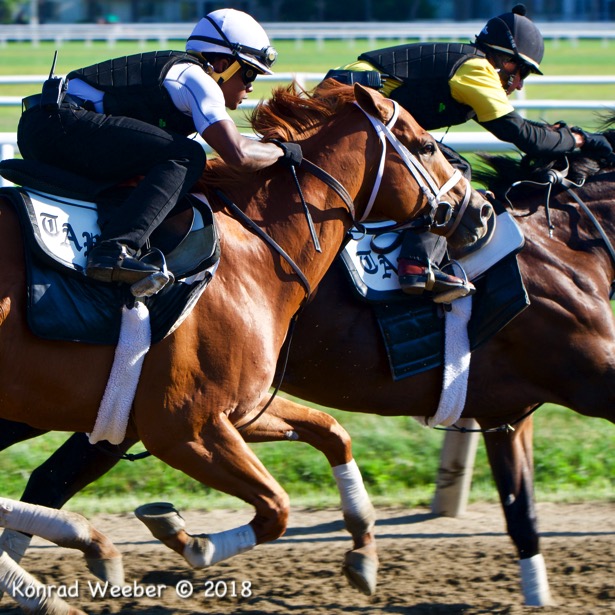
{"points": [[524, 70], [248, 74]]}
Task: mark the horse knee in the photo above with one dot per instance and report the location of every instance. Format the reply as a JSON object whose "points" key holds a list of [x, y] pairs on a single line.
{"points": [[271, 519]]}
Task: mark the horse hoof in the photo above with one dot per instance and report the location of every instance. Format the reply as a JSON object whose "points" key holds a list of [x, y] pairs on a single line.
{"points": [[361, 569], [162, 519], [111, 569]]}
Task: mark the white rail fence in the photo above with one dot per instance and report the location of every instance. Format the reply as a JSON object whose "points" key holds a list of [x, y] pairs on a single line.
{"points": [[297, 31], [461, 141]]}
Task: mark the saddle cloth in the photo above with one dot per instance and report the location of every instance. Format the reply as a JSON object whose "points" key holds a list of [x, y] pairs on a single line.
{"points": [[65, 305], [412, 327]]}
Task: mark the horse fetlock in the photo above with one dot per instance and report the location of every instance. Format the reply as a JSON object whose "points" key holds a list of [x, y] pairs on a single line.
{"points": [[361, 525], [14, 543], [361, 569], [208, 549], [534, 583]]}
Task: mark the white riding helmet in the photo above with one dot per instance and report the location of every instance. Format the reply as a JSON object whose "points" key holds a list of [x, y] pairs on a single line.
{"points": [[235, 33]]}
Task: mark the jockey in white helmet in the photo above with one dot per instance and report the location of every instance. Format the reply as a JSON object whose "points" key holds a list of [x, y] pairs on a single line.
{"points": [[232, 32], [134, 116]]}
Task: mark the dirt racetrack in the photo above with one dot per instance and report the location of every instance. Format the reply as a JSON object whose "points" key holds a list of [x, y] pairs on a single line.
{"points": [[428, 565]]}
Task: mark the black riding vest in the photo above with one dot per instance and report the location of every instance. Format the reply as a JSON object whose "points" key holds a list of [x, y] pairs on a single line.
{"points": [[132, 87], [425, 70]]}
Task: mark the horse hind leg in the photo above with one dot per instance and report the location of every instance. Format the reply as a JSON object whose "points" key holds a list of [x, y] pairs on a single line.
{"points": [[66, 529], [511, 458], [287, 420]]}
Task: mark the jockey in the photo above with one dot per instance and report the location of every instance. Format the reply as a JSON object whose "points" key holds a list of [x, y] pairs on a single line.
{"points": [[133, 116], [446, 84]]}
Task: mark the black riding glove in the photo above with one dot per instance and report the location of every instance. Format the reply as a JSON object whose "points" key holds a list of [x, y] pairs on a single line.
{"points": [[594, 143], [292, 153]]}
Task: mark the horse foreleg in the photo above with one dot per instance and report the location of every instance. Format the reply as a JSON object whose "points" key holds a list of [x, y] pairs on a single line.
{"points": [[220, 459], [286, 420], [512, 464], [66, 529]]}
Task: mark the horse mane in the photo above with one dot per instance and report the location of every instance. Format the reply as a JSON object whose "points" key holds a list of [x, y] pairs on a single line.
{"points": [[498, 172], [291, 114]]}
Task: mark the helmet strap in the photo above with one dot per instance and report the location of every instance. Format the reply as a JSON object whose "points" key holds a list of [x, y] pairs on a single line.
{"points": [[499, 61], [226, 74]]}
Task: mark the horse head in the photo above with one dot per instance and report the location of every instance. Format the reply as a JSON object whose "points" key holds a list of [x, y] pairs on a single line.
{"points": [[391, 166], [451, 206]]}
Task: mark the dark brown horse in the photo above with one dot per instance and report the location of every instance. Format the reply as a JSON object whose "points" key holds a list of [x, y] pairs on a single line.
{"points": [[561, 349], [214, 371]]}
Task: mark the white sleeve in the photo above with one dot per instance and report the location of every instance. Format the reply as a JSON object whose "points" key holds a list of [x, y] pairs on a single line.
{"points": [[196, 94]]}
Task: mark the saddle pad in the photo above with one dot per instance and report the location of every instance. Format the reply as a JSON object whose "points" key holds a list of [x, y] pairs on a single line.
{"points": [[374, 274], [64, 305], [413, 329]]}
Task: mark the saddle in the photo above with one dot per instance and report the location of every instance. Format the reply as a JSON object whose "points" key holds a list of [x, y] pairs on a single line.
{"points": [[413, 327], [60, 214]]}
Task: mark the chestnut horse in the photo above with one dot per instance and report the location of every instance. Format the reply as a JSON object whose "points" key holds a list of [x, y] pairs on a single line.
{"points": [[561, 349], [212, 372]]}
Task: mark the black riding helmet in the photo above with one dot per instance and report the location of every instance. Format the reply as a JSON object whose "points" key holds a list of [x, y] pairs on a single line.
{"points": [[514, 33]]}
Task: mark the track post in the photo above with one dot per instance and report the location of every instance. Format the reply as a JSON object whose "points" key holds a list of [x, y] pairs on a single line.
{"points": [[455, 471]]}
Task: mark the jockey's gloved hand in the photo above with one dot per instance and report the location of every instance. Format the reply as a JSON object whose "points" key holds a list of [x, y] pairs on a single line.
{"points": [[292, 153], [594, 143]]}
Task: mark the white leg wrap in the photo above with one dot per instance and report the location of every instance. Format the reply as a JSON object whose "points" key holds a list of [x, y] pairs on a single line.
{"points": [[209, 549], [14, 543], [29, 593], [534, 583], [353, 494], [61, 527]]}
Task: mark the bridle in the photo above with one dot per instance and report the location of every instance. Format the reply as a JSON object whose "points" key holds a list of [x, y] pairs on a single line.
{"points": [[442, 215]]}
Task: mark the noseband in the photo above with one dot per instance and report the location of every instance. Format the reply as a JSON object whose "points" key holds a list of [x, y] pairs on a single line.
{"points": [[442, 214]]}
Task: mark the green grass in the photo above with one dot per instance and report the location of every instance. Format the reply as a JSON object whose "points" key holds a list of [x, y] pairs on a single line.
{"points": [[397, 456]]}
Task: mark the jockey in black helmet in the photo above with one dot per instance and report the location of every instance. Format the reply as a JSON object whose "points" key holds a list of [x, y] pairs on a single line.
{"points": [[446, 84]]}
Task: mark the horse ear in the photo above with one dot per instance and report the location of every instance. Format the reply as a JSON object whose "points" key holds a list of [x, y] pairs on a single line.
{"points": [[374, 103]]}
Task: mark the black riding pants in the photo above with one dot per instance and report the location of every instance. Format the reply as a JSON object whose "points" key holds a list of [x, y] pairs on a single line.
{"points": [[427, 247], [107, 147]]}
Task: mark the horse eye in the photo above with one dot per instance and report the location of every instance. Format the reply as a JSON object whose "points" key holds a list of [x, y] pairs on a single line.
{"points": [[429, 148]]}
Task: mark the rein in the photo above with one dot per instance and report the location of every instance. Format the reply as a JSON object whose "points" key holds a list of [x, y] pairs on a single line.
{"points": [[554, 178]]}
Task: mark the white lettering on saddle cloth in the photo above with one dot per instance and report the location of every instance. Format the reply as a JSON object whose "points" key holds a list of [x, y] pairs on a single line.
{"points": [[375, 271], [66, 229]]}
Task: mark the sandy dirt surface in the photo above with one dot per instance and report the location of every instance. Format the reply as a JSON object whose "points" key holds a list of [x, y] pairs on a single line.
{"points": [[428, 565]]}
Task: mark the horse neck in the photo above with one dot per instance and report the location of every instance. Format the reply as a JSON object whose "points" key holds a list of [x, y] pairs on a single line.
{"points": [[574, 254], [331, 216]]}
